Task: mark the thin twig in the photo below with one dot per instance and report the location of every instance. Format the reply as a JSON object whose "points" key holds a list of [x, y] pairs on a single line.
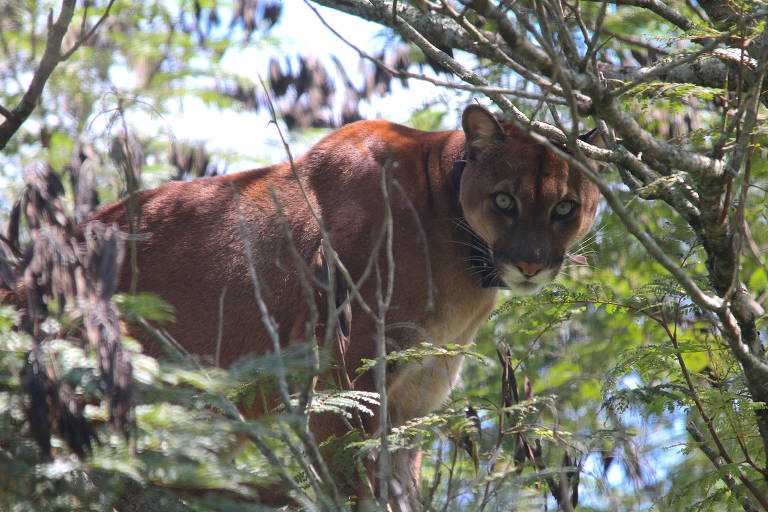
{"points": [[220, 330], [84, 38]]}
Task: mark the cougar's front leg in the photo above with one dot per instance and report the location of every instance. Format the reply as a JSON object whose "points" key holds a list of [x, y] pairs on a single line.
{"points": [[404, 484], [351, 476], [416, 389]]}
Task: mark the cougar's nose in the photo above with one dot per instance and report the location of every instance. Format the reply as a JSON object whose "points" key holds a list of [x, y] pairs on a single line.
{"points": [[529, 269]]}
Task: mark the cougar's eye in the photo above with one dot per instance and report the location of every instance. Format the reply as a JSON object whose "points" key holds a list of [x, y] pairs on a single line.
{"points": [[563, 209], [504, 202]]}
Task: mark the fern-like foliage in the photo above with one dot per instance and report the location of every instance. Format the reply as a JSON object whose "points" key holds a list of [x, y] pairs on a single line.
{"points": [[343, 402]]}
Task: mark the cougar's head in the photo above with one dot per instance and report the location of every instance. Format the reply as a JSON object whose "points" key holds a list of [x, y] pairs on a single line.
{"points": [[528, 205]]}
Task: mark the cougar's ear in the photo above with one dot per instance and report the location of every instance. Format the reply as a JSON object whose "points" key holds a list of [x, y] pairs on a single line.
{"points": [[594, 138], [481, 129]]}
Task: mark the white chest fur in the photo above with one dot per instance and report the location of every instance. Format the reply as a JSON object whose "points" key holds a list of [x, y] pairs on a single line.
{"points": [[421, 386]]}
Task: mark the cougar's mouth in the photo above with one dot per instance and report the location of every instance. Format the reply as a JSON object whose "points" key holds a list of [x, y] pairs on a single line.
{"points": [[522, 284], [498, 271]]}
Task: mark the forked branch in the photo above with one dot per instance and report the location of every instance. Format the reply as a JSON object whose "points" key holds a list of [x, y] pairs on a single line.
{"points": [[52, 57]]}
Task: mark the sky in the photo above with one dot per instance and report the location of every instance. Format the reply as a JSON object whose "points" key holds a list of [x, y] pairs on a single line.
{"points": [[299, 32], [247, 139]]}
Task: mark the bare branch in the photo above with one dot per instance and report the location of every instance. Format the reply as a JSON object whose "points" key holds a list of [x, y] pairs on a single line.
{"points": [[440, 31], [482, 38], [659, 8], [634, 41], [50, 59], [639, 140], [84, 37], [442, 83], [592, 45], [667, 67], [699, 12], [719, 12]]}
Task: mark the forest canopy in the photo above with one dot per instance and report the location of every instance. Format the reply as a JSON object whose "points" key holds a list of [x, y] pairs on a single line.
{"points": [[637, 381]]}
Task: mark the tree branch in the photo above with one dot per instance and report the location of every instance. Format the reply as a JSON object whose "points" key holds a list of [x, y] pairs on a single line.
{"points": [[721, 13], [444, 32], [659, 8], [639, 140], [50, 59], [84, 38], [397, 73], [634, 41], [666, 67]]}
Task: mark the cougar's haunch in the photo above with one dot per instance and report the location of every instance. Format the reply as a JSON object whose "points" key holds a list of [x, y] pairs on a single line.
{"points": [[472, 210]]}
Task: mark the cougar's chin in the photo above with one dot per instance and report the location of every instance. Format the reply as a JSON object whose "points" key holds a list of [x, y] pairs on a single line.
{"points": [[524, 286]]}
